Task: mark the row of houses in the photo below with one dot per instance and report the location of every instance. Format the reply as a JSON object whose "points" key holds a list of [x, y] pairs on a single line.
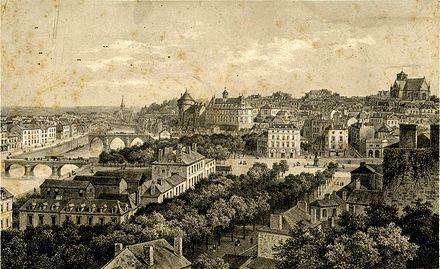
{"points": [[35, 134], [114, 196]]}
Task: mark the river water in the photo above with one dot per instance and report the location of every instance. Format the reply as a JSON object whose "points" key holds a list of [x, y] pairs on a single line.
{"points": [[18, 184]]}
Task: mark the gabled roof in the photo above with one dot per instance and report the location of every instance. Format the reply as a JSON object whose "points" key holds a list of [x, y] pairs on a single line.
{"points": [[5, 194], [65, 184], [133, 256], [365, 197], [414, 84], [128, 175], [100, 180], [367, 169], [235, 261]]}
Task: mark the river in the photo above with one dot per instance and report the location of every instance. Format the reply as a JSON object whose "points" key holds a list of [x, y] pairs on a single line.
{"points": [[18, 184]]}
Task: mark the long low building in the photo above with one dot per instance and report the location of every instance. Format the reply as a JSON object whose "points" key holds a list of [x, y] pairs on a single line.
{"points": [[37, 212], [175, 172]]}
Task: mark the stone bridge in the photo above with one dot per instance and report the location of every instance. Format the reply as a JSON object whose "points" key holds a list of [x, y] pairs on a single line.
{"points": [[55, 164], [127, 138]]}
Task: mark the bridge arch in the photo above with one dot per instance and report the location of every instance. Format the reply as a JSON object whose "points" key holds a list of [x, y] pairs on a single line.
{"points": [[61, 169], [12, 166], [117, 142], [137, 141], [40, 169]]}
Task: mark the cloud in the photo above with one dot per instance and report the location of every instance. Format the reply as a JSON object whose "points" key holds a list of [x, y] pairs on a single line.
{"points": [[98, 65], [354, 43]]}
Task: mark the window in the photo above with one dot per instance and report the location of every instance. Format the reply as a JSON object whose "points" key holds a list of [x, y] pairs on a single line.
{"points": [[7, 223], [324, 213], [90, 220], [40, 219], [101, 221], [53, 219], [334, 212], [78, 219], [30, 220]]}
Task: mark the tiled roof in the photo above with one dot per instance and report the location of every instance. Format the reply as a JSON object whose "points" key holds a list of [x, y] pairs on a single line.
{"points": [[414, 84], [365, 197], [262, 263], [175, 180], [133, 256], [235, 261], [5, 194], [283, 126], [128, 175], [121, 197], [325, 203], [65, 184], [100, 180], [43, 205], [367, 169]]}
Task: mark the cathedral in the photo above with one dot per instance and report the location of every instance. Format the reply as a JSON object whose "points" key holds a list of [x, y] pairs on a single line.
{"points": [[410, 89]]}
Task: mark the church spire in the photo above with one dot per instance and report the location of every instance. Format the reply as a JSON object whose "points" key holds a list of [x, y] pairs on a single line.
{"points": [[122, 103]]}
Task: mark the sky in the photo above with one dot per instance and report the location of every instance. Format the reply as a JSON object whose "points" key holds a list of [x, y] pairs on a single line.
{"points": [[90, 53]]}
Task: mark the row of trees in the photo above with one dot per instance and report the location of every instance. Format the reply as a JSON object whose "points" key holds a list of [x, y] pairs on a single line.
{"points": [[379, 239], [215, 146], [217, 205]]}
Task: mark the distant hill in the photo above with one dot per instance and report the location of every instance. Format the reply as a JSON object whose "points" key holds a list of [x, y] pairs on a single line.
{"points": [[47, 111]]}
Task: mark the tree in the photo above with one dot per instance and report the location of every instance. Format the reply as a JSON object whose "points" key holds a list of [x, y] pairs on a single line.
{"points": [[422, 226], [219, 216], [195, 227], [394, 248], [352, 252], [304, 250], [380, 214], [206, 262], [14, 253]]}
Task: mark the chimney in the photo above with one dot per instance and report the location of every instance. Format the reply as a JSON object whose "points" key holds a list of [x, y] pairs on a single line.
{"points": [[408, 136], [153, 187], [313, 215], [188, 149], [148, 253], [178, 246], [160, 155], [358, 184], [332, 221], [138, 196], [179, 153], [194, 146], [362, 164], [276, 222], [118, 248], [434, 136]]}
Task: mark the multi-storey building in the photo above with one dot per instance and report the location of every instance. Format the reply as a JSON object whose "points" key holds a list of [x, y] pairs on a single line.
{"points": [[48, 134], [62, 189], [30, 134], [9, 141], [268, 110], [358, 134], [336, 141], [63, 130], [376, 146], [405, 88], [281, 141], [315, 126], [6, 208], [176, 171], [37, 212], [229, 113], [94, 200]]}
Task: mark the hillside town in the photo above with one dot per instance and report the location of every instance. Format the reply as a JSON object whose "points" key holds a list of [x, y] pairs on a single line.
{"points": [[274, 165], [219, 135]]}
